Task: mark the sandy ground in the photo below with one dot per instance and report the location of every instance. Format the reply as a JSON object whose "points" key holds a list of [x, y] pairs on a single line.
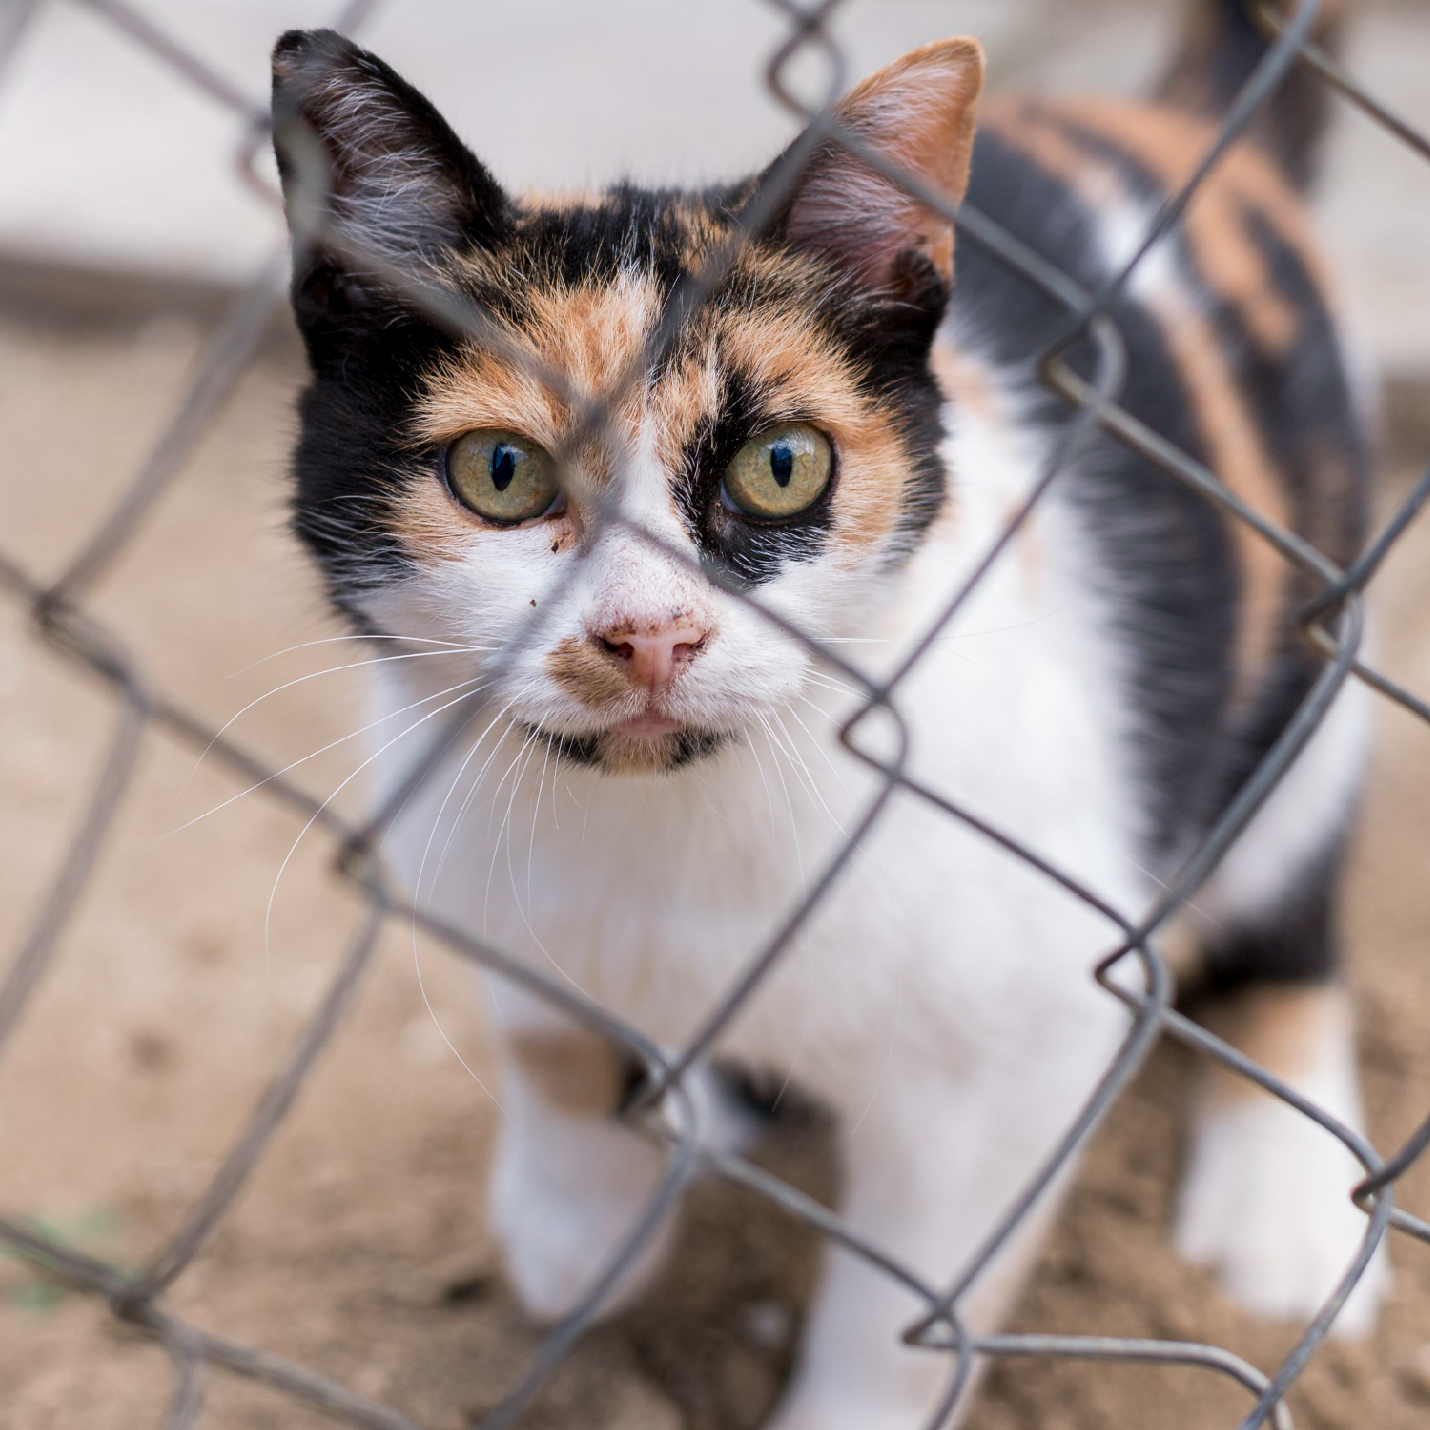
{"points": [[359, 1247]]}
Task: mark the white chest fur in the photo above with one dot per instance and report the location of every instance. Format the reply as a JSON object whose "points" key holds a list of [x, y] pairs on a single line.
{"points": [[650, 894]]}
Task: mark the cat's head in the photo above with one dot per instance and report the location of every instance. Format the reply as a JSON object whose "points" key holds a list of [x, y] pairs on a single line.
{"points": [[581, 480]]}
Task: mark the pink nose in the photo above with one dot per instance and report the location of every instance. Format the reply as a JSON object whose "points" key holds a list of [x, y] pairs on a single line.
{"points": [[651, 657]]}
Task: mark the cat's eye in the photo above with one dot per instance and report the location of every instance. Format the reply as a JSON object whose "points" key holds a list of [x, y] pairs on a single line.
{"points": [[780, 472], [502, 476]]}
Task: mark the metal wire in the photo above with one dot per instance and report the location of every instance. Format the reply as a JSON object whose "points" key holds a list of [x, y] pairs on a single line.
{"points": [[1331, 622]]}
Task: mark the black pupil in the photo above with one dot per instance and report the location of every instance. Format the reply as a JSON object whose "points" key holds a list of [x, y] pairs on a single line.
{"points": [[504, 466], [782, 462]]}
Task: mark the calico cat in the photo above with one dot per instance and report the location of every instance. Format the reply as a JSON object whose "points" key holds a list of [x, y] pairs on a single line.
{"points": [[839, 430]]}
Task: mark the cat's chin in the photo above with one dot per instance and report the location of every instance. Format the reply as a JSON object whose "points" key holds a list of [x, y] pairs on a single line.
{"points": [[637, 747]]}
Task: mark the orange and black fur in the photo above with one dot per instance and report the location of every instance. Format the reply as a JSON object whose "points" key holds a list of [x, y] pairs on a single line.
{"points": [[1243, 370]]}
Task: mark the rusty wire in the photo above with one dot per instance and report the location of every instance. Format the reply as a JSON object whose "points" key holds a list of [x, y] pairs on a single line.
{"points": [[1331, 622]]}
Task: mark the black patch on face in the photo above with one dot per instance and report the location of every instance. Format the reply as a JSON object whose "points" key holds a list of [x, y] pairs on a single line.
{"points": [[689, 746], [895, 344], [582, 749], [627, 228], [692, 745], [742, 550], [353, 459]]}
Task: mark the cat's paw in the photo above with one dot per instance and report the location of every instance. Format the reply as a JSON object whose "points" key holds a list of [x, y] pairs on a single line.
{"points": [[1266, 1204]]}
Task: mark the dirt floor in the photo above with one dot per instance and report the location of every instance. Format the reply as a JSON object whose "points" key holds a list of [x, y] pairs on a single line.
{"points": [[359, 1247]]}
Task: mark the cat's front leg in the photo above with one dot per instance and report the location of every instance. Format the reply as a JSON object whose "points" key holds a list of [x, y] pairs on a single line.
{"points": [[929, 1172], [570, 1181]]}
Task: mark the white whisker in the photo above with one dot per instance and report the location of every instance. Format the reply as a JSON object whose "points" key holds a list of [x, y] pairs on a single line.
{"points": [[789, 803], [273, 893], [769, 798], [830, 682], [416, 900], [524, 755], [471, 792], [528, 750], [535, 815], [437, 1023], [331, 640], [491, 815], [818, 744], [805, 774], [321, 750], [299, 680]]}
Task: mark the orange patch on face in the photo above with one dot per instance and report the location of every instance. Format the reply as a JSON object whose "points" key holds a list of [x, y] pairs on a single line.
{"points": [[533, 381], [581, 344], [804, 377], [482, 389], [596, 335], [579, 340], [426, 524], [587, 674]]}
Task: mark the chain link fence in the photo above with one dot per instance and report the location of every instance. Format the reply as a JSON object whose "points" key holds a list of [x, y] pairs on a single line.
{"points": [[1332, 625]]}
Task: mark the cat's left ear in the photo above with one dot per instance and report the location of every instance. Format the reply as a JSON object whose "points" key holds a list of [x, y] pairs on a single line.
{"points": [[918, 114], [360, 150]]}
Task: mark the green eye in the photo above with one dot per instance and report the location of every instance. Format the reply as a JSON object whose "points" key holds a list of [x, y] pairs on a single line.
{"points": [[780, 472], [501, 475]]}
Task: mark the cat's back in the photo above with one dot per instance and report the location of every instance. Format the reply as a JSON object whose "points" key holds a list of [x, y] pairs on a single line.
{"points": [[1233, 356]]}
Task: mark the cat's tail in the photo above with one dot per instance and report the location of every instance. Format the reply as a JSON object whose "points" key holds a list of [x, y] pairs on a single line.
{"points": [[1221, 45]]}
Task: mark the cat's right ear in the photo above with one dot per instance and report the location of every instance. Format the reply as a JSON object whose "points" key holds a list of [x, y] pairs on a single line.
{"points": [[917, 115], [368, 168]]}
